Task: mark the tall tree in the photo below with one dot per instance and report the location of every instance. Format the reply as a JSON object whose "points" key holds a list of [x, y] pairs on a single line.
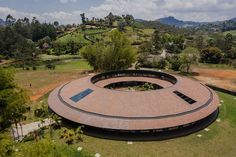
{"points": [[10, 20], [157, 41], [56, 23], [83, 19], [129, 19], [110, 18], [13, 100], [228, 41], [189, 56], [113, 55]]}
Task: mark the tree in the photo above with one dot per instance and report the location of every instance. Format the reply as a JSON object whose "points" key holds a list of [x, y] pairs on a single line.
{"points": [[10, 20], [73, 48], [129, 19], [175, 62], [173, 43], [113, 55], [13, 101], [157, 41], [23, 28], [200, 44], [189, 56], [110, 18], [83, 18], [231, 54], [26, 52], [228, 41], [121, 25], [211, 55], [56, 23], [40, 31]]}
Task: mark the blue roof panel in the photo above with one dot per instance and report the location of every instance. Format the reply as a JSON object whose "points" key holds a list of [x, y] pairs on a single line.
{"points": [[81, 95]]}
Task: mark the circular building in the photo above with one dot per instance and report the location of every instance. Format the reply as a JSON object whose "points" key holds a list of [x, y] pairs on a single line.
{"points": [[136, 101]]}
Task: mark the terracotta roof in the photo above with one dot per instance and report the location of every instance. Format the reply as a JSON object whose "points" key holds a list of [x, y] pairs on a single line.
{"points": [[133, 110]]}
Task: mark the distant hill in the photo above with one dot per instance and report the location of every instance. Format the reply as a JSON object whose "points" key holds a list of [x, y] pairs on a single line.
{"points": [[225, 25], [178, 23], [2, 22], [233, 19]]}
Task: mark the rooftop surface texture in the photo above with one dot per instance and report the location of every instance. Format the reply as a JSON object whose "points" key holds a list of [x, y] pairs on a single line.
{"points": [[134, 110]]}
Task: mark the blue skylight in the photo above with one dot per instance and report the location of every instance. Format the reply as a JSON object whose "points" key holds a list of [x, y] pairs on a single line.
{"points": [[81, 95]]}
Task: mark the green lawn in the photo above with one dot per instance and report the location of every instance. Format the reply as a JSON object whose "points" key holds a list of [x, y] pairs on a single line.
{"points": [[218, 142], [148, 31], [231, 32], [70, 65], [91, 31], [45, 57], [75, 36]]}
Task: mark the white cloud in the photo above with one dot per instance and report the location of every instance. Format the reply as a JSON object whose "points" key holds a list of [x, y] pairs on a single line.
{"points": [[61, 16], [200, 10]]}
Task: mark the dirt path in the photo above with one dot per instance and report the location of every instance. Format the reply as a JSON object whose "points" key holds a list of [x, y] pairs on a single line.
{"points": [[41, 92]]}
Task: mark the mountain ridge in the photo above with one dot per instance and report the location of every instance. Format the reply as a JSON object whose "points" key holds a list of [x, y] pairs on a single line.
{"points": [[2, 22]]}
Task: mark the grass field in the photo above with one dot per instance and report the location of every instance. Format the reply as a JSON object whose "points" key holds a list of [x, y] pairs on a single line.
{"points": [[45, 57], [217, 142], [231, 32], [77, 37], [43, 80], [91, 31]]}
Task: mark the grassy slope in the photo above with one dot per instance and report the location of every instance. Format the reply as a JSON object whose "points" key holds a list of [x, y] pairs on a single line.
{"points": [[90, 31], [77, 37]]}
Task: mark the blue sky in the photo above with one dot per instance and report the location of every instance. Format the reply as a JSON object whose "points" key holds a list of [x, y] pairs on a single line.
{"points": [[68, 11]]}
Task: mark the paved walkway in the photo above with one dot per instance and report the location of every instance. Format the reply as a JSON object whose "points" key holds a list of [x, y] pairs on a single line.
{"points": [[26, 129]]}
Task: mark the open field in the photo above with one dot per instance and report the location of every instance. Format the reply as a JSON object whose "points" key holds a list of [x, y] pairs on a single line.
{"points": [[222, 77], [43, 80]]}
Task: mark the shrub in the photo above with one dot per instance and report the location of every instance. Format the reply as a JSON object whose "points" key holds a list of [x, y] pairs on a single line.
{"points": [[175, 62], [41, 112], [211, 55], [234, 63], [50, 66], [34, 68], [161, 64]]}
